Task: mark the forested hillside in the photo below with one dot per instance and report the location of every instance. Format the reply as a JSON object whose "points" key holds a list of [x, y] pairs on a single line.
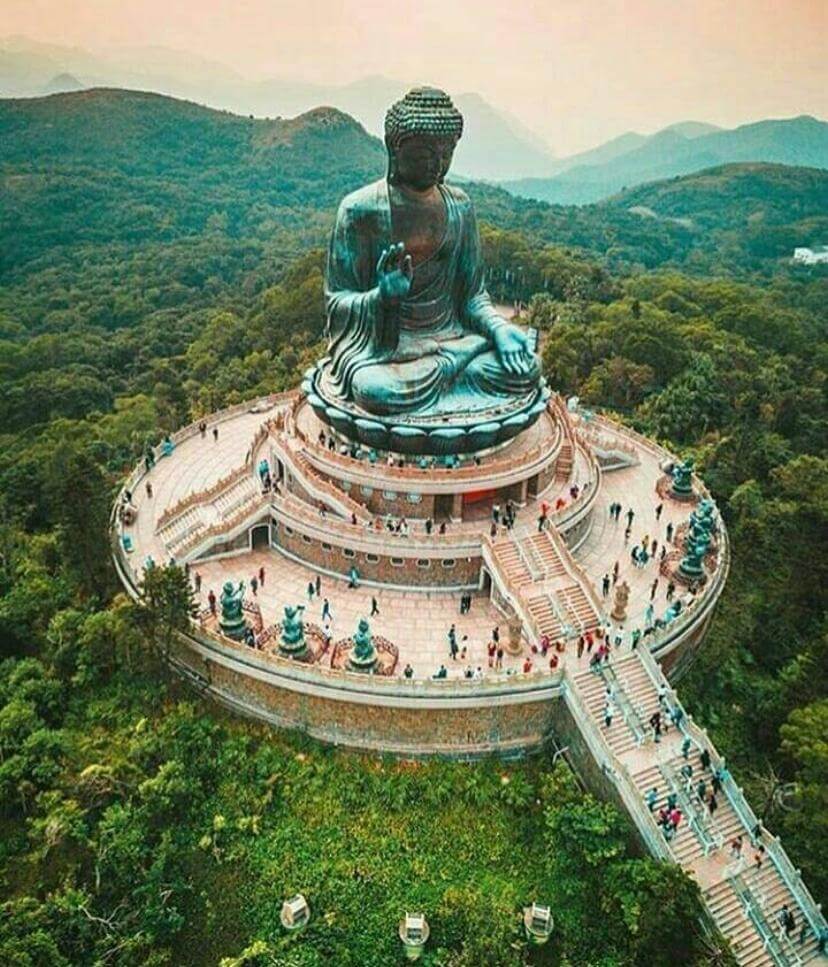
{"points": [[159, 261]]}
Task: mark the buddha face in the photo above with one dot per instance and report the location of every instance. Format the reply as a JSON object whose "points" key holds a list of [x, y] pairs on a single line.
{"points": [[422, 161]]}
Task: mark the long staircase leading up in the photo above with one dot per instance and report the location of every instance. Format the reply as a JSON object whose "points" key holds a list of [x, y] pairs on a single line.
{"points": [[550, 593]]}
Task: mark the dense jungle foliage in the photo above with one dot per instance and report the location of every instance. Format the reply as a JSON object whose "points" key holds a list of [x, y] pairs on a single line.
{"points": [[159, 260]]}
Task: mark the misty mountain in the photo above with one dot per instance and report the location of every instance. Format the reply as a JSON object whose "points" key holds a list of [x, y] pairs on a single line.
{"points": [[495, 144], [795, 141]]}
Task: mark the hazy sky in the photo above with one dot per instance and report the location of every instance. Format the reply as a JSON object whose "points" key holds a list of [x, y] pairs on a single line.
{"points": [[576, 71]]}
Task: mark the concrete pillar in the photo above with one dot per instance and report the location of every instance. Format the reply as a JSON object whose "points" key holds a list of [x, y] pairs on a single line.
{"points": [[456, 508]]}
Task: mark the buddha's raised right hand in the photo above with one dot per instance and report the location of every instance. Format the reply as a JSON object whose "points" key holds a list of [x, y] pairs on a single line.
{"points": [[394, 273]]}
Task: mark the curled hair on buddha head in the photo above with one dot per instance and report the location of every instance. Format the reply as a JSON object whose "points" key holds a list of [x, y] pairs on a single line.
{"points": [[423, 111]]}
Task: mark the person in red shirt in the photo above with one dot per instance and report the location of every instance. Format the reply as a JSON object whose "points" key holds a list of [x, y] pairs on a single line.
{"points": [[492, 649], [553, 662], [527, 666], [675, 818]]}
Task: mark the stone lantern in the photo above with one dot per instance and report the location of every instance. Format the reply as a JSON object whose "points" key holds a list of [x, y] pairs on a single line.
{"points": [[414, 931], [295, 913], [538, 923]]}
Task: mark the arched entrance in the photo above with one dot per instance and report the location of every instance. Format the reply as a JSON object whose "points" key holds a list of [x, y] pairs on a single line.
{"points": [[260, 537]]}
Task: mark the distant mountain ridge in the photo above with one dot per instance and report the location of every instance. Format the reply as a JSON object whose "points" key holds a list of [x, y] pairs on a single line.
{"points": [[628, 161], [495, 145], [106, 166]]}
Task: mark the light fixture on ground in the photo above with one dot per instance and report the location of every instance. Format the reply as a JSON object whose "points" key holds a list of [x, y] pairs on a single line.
{"points": [[295, 913], [538, 923], [414, 931]]}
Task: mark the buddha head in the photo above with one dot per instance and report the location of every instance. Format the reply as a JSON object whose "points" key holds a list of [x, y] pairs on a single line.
{"points": [[421, 133]]}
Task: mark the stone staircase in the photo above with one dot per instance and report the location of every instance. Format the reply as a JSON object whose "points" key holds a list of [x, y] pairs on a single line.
{"points": [[542, 609], [563, 467], [744, 902], [511, 561]]}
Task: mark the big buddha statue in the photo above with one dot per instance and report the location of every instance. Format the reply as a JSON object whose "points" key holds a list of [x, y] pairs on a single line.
{"points": [[419, 360]]}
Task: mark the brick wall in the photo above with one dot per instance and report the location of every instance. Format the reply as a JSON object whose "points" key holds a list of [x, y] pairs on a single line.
{"points": [[410, 571]]}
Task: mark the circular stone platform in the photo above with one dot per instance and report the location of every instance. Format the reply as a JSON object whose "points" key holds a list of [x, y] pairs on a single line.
{"points": [[415, 549]]}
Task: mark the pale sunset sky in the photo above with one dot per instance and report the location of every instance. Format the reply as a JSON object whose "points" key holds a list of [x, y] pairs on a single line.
{"points": [[576, 71]]}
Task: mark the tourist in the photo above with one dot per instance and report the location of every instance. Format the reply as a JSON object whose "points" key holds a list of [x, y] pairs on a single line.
{"points": [[254, 585], [736, 848], [712, 804], [655, 725], [202, 429], [249, 637], [463, 650], [635, 638], [553, 662], [211, 601], [478, 674], [215, 434], [675, 818], [374, 607], [627, 532], [669, 534], [615, 574], [787, 921], [452, 640], [663, 552], [310, 590], [492, 650], [653, 589], [658, 511], [442, 528], [590, 641], [651, 798], [468, 672], [608, 712], [148, 488], [685, 746], [634, 555], [442, 672], [496, 634], [408, 671], [527, 665], [671, 590], [261, 576], [495, 513], [672, 799], [318, 585], [327, 630], [493, 531], [630, 517], [499, 659], [605, 585], [704, 758], [759, 857], [686, 773], [541, 521], [701, 789], [326, 610], [429, 525], [580, 647], [653, 547], [677, 715], [649, 615]]}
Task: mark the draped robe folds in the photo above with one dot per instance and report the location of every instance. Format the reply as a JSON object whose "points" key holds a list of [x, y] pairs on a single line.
{"points": [[431, 352]]}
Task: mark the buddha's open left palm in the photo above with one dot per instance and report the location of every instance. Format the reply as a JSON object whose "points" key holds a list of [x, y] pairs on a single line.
{"points": [[513, 349]]}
